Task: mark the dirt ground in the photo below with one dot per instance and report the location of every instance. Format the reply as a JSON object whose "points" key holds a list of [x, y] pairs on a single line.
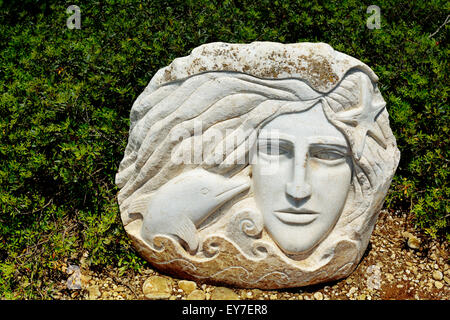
{"points": [[398, 264]]}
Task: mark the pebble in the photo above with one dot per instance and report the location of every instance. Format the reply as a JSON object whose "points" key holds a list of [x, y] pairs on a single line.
{"points": [[94, 292], [222, 293], [257, 293], [438, 284], [413, 241], [318, 296], [187, 286], [196, 295], [85, 279], [437, 275], [389, 276], [246, 294], [157, 287]]}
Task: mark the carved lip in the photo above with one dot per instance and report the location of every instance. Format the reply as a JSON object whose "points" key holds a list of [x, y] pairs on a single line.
{"points": [[296, 216]]}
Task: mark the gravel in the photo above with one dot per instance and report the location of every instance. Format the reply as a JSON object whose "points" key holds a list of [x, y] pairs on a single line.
{"points": [[399, 264]]}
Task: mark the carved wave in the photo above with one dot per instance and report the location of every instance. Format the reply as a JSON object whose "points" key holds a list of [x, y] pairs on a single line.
{"points": [[225, 263]]}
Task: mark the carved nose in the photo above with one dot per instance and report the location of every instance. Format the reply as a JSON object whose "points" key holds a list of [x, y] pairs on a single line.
{"points": [[298, 191], [299, 188]]}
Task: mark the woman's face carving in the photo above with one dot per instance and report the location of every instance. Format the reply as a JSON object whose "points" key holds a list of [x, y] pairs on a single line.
{"points": [[301, 177]]}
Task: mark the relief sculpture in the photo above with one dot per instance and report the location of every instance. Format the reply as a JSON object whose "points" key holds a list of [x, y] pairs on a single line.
{"points": [[260, 165]]}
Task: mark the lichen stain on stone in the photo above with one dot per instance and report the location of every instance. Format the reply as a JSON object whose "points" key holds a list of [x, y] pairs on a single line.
{"points": [[168, 74], [319, 72], [315, 69]]}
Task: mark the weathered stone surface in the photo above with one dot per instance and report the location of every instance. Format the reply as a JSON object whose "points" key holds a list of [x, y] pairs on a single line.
{"points": [[157, 287], [257, 165]]}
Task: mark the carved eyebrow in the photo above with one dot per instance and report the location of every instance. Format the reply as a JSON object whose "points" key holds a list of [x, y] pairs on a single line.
{"points": [[276, 135], [279, 140], [318, 140], [318, 148], [328, 140]]}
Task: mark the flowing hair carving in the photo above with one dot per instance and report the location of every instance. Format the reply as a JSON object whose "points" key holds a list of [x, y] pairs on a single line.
{"points": [[216, 100], [240, 103]]}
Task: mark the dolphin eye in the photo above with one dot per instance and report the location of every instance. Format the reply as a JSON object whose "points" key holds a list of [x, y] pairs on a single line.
{"points": [[204, 191]]}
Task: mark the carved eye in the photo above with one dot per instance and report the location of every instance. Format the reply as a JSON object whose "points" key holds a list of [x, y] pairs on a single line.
{"points": [[275, 147], [328, 154], [204, 191]]}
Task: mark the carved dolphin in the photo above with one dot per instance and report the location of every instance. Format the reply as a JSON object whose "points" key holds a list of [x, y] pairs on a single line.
{"points": [[179, 206]]}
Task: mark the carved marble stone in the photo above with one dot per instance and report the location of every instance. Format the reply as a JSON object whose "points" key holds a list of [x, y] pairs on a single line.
{"points": [[260, 165]]}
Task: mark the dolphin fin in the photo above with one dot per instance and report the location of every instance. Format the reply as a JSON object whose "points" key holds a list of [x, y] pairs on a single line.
{"points": [[186, 231]]}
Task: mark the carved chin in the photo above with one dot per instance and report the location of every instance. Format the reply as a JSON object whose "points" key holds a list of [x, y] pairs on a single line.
{"points": [[299, 241]]}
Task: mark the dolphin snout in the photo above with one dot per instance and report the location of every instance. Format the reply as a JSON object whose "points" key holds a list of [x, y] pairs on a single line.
{"points": [[233, 188]]}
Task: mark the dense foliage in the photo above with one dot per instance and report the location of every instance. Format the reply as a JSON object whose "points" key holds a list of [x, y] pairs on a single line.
{"points": [[66, 95]]}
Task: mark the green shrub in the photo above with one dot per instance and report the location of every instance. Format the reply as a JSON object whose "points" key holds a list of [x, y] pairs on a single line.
{"points": [[66, 96]]}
